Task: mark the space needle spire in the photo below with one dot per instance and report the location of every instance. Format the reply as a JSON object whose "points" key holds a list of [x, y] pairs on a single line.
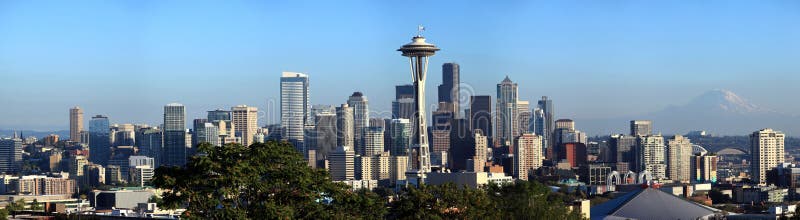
{"points": [[418, 52]]}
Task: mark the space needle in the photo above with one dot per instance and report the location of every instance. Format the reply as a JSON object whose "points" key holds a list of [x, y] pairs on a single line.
{"points": [[418, 52]]}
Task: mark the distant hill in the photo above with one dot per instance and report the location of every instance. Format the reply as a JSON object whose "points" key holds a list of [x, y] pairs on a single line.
{"points": [[718, 111], [63, 134]]}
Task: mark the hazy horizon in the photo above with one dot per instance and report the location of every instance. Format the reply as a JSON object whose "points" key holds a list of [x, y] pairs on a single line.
{"points": [[127, 59]]}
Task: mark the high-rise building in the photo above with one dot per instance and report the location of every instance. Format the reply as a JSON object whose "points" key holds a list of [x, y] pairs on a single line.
{"points": [[400, 130], [524, 118], [99, 140], [641, 127], [219, 115], [10, 155], [563, 133], [360, 106], [151, 144], [375, 167], [623, 149], [295, 108], [574, 153], [679, 158], [480, 109], [651, 156], [373, 141], [441, 124], [449, 90], [538, 126], [546, 105], [76, 165], [123, 135], [506, 112], [481, 145], [245, 123], [325, 134], [528, 155], [175, 152], [75, 124], [403, 105], [344, 126], [767, 151], [704, 168], [342, 163], [199, 134]]}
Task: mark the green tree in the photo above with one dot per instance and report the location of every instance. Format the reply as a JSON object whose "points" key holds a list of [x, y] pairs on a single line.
{"points": [[529, 200], [3, 213], [443, 202], [36, 205], [264, 181], [15, 207]]}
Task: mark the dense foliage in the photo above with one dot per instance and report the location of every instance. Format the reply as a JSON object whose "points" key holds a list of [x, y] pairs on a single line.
{"points": [[272, 181]]}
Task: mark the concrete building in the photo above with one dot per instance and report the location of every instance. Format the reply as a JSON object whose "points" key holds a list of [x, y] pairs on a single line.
{"points": [[528, 155], [342, 163], [121, 199], [651, 156], [295, 108], [75, 124], [574, 153], [372, 138], [245, 122], [481, 147], [704, 168], [767, 152], [325, 134], [679, 158]]}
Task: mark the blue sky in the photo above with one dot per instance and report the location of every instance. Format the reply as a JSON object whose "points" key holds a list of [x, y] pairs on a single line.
{"points": [[596, 59]]}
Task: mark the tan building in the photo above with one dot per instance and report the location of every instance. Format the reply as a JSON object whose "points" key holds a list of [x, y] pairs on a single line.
{"points": [[245, 123], [528, 155], [679, 156], [652, 156], [481, 144], [75, 124], [766, 149], [398, 165], [375, 167]]}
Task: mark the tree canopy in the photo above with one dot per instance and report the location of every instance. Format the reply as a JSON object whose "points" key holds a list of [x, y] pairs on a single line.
{"points": [[264, 180], [272, 181]]}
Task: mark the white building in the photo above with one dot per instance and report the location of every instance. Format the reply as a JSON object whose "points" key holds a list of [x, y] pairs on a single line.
{"points": [[767, 151], [528, 155]]}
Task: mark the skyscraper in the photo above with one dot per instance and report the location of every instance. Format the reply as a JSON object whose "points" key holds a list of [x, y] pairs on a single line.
{"points": [[199, 131], [546, 105], [75, 124], [767, 151], [679, 158], [360, 106], [524, 118], [506, 111], [403, 105], [641, 127], [344, 126], [151, 144], [449, 90], [539, 126], [325, 134], [175, 152], [651, 156], [481, 145], [527, 156], [295, 108], [245, 123], [99, 140], [400, 130], [481, 114]]}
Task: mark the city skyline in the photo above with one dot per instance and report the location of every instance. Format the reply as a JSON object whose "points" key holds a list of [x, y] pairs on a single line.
{"points": [[134, 63]]}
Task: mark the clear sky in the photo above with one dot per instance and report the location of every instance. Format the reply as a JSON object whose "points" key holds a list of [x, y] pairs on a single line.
{"points": [[596, 59]]}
